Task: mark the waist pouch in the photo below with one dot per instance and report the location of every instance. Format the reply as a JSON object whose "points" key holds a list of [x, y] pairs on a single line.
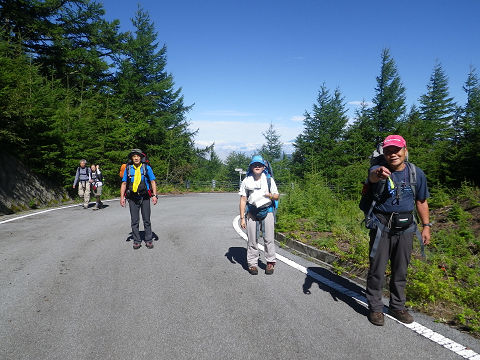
{"points": [[258, 213], [401, 221], [142, 191]]}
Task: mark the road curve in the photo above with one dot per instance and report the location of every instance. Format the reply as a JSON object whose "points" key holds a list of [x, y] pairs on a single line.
{"points": [[72, 287]]}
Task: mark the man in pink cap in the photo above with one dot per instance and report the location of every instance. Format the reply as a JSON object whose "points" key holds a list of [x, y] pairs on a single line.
{"points": [[401, 187]]}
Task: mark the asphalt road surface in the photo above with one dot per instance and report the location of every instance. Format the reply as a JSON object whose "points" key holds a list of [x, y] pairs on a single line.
{"points": [[72, 287]]}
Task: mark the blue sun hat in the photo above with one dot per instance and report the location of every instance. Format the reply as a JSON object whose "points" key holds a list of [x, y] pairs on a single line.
{"points": [[257, 159]]}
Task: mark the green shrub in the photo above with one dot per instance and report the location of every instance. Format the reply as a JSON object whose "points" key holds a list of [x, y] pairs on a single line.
{"points": [[446, 285]]}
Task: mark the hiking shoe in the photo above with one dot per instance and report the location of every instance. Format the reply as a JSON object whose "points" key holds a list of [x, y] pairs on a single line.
{"points": [[149, 244], [270, 268], [401, 315], [376, 318], [85, 206], [136, 246], [253, 270], [95, 207]]}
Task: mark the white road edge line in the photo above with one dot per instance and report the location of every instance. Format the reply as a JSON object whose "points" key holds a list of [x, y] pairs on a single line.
{"points": [[53, 209], [457, 348]]}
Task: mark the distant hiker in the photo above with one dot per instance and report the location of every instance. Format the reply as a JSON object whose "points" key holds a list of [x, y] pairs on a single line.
{"points": [[258, 192], [138, 185], [391, 235], [82, 178], [96, 185]]}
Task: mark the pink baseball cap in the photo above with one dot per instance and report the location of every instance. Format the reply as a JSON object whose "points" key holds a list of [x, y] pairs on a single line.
{"points": [[394, 140]]}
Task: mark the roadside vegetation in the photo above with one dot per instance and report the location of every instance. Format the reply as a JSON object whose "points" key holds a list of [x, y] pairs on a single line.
{"points": [[446, 285]]}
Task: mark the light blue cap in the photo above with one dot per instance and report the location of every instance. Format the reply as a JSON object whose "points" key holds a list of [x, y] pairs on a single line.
{"points": [[257, 159]]}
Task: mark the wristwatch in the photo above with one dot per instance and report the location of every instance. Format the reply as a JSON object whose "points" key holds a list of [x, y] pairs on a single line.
{"points": [[429, 224]]}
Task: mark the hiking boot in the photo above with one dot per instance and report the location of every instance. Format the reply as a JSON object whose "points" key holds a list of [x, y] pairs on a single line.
{"points": [[270, 268], [149, 244], [401, 315], [376, 318], [253, 270], [136, 246]]}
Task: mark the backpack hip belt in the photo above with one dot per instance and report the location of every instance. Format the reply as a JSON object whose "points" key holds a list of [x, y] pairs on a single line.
{"points": [[375, 223]]}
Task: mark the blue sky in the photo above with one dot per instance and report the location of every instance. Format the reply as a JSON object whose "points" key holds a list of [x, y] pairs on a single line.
{"points": [[246, 64]]}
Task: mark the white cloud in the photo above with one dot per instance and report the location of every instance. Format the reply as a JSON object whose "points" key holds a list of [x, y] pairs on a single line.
{"points": [[360, 103], [297, 118], [239, 136]]}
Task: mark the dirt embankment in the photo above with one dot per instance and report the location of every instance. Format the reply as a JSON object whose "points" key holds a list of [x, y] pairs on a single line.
{"points": [[22, 190]]}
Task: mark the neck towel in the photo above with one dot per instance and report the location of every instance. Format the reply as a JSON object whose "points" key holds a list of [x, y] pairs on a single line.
{"points": [[258, 189], [137, 177]]}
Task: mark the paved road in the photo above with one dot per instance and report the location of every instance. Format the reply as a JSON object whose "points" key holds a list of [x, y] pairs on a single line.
{"points": [[72, 287]]}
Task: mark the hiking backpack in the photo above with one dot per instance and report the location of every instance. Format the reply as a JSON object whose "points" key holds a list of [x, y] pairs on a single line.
{"points": [[87, 172], [143, 171]]}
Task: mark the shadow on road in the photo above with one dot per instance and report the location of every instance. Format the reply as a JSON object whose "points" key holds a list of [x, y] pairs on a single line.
{"points": [[142, 236], [238, 255], [335, 282]]}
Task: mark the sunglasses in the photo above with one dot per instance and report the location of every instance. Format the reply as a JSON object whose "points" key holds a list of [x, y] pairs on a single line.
{"points": [[257, 165]]}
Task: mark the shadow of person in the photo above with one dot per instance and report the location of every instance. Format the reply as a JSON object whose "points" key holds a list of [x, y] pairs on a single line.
{"points": [[237, 255], [339, 288]]}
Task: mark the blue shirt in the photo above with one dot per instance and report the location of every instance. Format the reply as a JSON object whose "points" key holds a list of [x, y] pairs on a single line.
{"points": [[404, 202], [131, 172]]}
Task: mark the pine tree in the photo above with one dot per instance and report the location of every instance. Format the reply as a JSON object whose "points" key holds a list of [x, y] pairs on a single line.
{"points": [[389, 101], [323, 130], [150, 106], [437, 108], [360, 136], [272, 149], [468, 145], [28, 105]]}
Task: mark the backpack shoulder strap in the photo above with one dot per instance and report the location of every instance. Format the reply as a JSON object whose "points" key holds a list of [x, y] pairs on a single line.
{"points": [[145, 172], [412, 178]]}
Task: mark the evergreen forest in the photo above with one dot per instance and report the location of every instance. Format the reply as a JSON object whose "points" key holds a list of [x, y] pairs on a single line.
{"points": [[74, 86]]}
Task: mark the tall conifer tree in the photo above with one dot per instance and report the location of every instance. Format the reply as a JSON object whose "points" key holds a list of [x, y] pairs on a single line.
{"points": [[151, 107], [437, 108], [272, 149], [389, 101], [323, 130], [468, 146]]}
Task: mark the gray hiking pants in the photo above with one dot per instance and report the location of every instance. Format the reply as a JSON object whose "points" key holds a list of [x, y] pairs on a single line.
{"points": [[252, 246], [143, 205], [396, 247], [84, 192]]}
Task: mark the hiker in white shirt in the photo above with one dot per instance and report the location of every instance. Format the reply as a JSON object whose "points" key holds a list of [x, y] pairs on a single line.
{"points": [[258, 192]]}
